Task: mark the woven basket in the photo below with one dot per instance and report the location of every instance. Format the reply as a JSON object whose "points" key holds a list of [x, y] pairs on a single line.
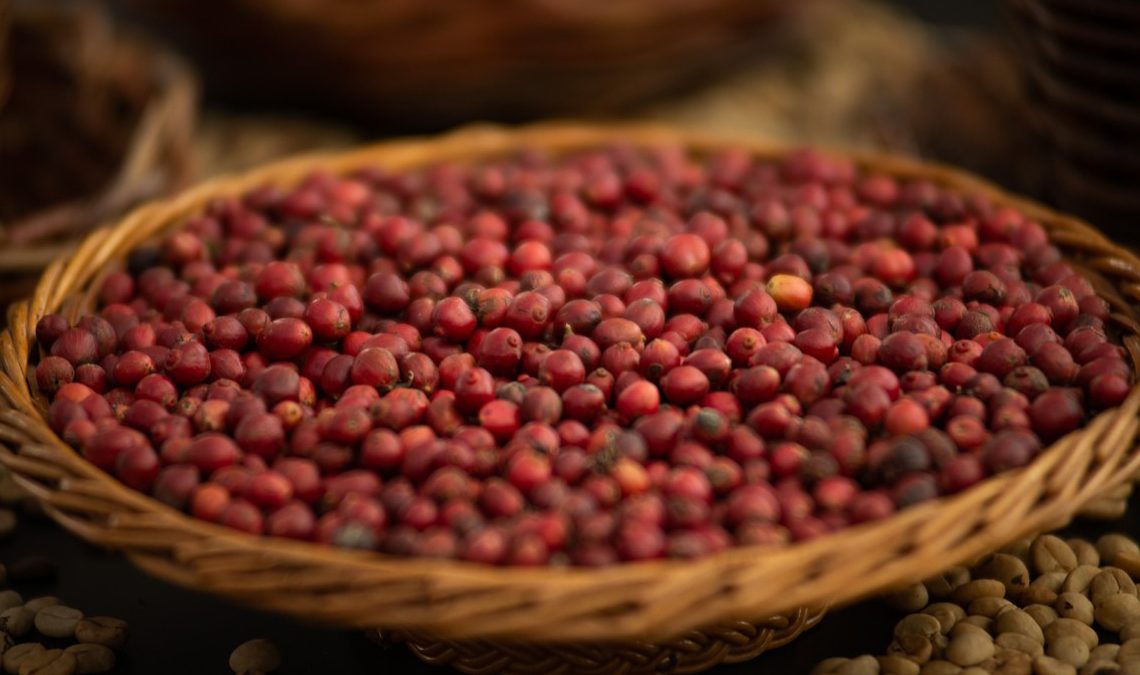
{"points": [[507, 609]]}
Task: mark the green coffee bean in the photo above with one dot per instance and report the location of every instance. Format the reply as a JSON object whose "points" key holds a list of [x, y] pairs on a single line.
{"points": [[1117, 611], [1069, 648], [1021, 643], [1052, 554], [990, 606], [15, 656], [909, 599], [918, 624], [1071, 628], [10, 599], [1051, 580], [1018, 549], [1086, 552], [1079, 579], [940, 668], [947, 614], [860, 665], [1075, 606], [17, 621], [970, 647], [102, 630], [1110, 581], [91, 659], [1129, 650], [1007, 569], [1104, 652], [828, 666], [1100, 667], [1111, 544], [1047, 665], [983, 622], [1042, 614], [941, 586], [57, 621], [261, 656], [1020, 622], [49, 662], [976, 589], [36, 604], [897, 665], [914, 647]]}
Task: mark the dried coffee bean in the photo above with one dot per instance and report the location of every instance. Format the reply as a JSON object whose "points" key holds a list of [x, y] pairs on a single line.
{"points": [[947, 614], [966, 627], [918, 624], [36, 604], [974, 670], [10, 599], [970, 647], [940, 587], [261, 656], [978, 588], [909, 599], [1117, 611], [1051, 554], [1007, 569], [1079, 579], [1099, 667], [1110, 581], [1075, 606], [941, 668], [860, 665], [1042, 614], [17, 621], [1129, 650], [1106, 652], [1037, 595], [49, 662], [1069, 648], [1009, 661], [1021, 643], [1130, 632], [1047, 665], [102, 630], [1085, 550], [914, 647], [1019, 622], [32, 570], [1110, 545], [989, 606], [58, 621], [983, 622], [91, 658], [1070, 628], [1051, 580], [15, 656], [897, 665], [1129, 562], [828, 666], [1018, 549]]}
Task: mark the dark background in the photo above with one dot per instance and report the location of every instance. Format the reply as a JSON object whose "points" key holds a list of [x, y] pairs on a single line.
{"points": [[175, 631]]}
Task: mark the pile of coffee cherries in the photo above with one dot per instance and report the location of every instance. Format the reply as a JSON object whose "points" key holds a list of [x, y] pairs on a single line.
{"points": [[618, 354]]}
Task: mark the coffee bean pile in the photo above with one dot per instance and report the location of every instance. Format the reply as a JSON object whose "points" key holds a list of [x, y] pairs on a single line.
{"points": [[1045, 606], [621, 354]]}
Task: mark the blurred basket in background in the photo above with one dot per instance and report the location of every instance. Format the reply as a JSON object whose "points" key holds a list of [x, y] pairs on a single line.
{"points": [[406, 65], [94, 121], [1081, 64]]}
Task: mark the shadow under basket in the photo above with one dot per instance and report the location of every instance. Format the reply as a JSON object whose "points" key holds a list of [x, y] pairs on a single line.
{"points": [[638, 617]]}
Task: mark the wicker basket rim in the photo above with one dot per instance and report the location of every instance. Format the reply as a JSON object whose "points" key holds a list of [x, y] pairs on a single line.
{"points": [[680, 579]]}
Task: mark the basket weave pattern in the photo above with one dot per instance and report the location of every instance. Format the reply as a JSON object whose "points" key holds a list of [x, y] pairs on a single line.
{"points": [[621, 604]]}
